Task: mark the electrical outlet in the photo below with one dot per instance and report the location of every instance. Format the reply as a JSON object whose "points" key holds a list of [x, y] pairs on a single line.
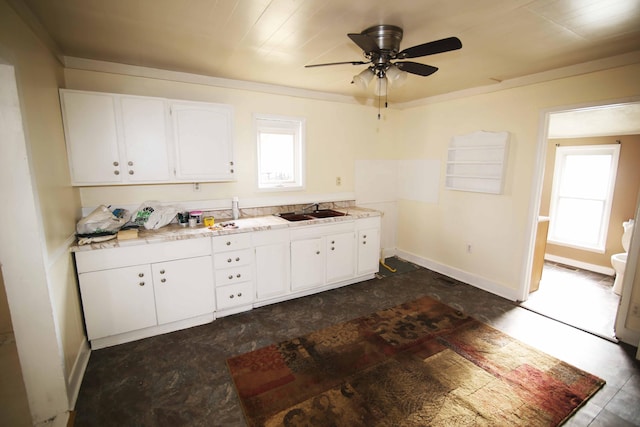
{"points": [[338, 180]]}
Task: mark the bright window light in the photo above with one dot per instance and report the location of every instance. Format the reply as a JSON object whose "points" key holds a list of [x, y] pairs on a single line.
{"points": [[583, 183], [280, 152]]}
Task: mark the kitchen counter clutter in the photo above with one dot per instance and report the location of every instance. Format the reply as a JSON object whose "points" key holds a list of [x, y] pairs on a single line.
{"points": [[178, 277]]}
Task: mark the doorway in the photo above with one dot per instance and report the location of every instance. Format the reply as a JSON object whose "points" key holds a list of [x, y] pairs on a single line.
{"points": [[576, 284]]}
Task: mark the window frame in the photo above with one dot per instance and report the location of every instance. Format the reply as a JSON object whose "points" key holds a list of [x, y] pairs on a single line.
{"points": [[562, 152], [284, 124]]}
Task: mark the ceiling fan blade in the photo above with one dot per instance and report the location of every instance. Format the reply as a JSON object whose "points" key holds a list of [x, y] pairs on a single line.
{"points": [[366, 43], [416, 68], [431, 48], [336, 63]]}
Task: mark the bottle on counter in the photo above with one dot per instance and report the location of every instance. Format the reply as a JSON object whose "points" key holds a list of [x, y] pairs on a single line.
{"points": [[235, 208]]}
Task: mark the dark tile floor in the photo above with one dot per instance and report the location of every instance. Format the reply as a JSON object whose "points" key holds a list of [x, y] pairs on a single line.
{"points": [[580, 298], [182, 379]]}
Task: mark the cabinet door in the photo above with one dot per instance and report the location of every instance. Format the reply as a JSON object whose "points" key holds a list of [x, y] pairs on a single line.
{"points": [[340, 257], [183, 288], [117, 301], [368, 250], [272, 270], [203, 136], [144, 133], [307, 263], [92, 139]]}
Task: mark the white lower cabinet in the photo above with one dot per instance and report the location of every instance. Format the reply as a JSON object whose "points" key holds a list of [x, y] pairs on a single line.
{"points": [[139, 291], [272, 263], [308, 259], [368, 245], [117, 301], [183, 288], [322, 255]]}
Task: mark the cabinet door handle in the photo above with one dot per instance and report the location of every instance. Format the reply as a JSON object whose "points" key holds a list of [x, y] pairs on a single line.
{"points": [[130, 163], [141, 283], [229, 260], [161, 271], [140, 274], [131, 172], [163, 280], [364, 242], [333, 242], [333, 249], [116, 164], [116, 172], [230, 276], [237, 259], [228, 243], [231, 296], [238, 275], [364, 237], [317, 252], [239, 294]]}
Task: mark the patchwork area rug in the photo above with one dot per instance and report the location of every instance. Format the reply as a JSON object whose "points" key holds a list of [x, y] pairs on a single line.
{"points": [[421, 363]]}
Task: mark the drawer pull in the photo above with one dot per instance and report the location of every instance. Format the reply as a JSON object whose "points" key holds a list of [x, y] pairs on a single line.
{"points": [[239, 294], [140, 274], [231, 296], [116, 172], [364, 242], [230, 276], [238, 275], [237, 259], [333, 249], [228, 243], [163, 280], [317, 252], [229, 260], [141, 283]]}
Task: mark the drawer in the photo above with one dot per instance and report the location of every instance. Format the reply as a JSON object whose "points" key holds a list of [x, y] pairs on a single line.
{"points": [[227, 276], [231, 242], [233, 258], [234, 295]]}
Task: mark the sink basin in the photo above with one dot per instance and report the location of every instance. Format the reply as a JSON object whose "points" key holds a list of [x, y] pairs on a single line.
{"points": [[299, 216], [325, 213]]}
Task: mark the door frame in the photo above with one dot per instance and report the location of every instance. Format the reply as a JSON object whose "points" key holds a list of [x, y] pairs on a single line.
{"points": [[624, 334]]}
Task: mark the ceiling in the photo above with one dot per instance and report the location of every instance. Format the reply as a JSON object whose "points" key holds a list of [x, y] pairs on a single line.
{"points": [[270, 41]]}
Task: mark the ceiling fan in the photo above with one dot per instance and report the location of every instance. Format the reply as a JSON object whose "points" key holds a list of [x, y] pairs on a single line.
{"points": [[381, 46]]}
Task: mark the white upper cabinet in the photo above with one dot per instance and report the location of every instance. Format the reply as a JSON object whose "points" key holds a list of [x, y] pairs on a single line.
{"points": [[144, 137], [203, 135], [92, 137], [115, 139]]}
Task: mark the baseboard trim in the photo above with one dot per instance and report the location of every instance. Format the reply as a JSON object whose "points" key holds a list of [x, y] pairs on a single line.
{"points": [[74, 381], [461, 275], [609, 271]]}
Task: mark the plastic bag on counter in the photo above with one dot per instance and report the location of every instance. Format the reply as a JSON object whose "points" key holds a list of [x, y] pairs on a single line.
{"points": [[102, 220], [152, 215]]}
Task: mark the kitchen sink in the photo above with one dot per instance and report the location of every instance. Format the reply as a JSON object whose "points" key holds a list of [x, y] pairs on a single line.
{"points": [[302, 216]]}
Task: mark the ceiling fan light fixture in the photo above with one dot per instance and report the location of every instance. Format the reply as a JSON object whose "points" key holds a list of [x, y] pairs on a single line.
{"points": [[363, 79], [381, 86], [396, 76]]}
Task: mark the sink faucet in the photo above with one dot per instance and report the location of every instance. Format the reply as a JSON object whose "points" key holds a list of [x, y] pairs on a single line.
{"points": [[317, 207]]}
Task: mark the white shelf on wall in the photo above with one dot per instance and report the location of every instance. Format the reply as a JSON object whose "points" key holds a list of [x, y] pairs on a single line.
{"points": [[477, 162]]}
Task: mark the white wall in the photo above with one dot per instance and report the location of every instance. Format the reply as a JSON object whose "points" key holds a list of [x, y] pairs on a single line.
{"points": [[36, 264], [494, 225]]}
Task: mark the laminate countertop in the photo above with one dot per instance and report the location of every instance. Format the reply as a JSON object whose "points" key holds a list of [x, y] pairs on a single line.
{"points": [[243, 225]]}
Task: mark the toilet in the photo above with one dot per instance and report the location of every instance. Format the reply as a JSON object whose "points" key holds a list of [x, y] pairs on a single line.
{"points": [[619, 261]]}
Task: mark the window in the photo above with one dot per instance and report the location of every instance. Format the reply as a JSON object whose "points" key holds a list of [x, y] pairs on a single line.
{"points": [[280, 152], [583, 183]]}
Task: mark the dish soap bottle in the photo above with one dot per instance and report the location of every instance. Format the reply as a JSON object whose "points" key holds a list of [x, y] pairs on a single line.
{"points": [[235, 209]]}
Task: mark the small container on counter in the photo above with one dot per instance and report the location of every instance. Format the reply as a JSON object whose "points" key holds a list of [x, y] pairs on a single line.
{"points": [[197, 215], [183, 218], [209, 221]]}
